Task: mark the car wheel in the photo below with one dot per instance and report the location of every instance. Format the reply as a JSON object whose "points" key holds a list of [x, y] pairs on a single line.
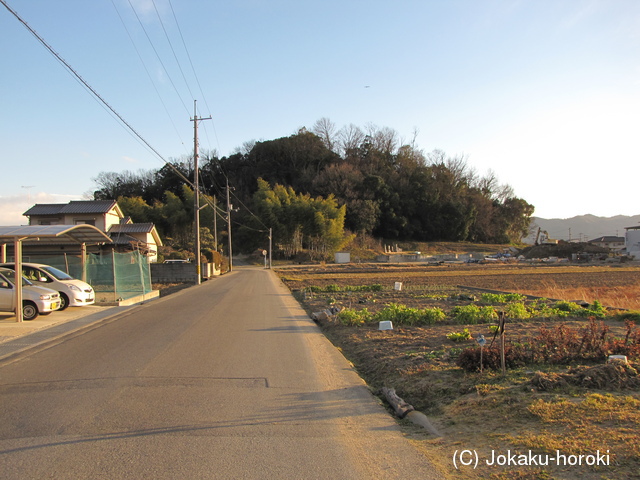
{"points": [[64, 301], [29, 311]]}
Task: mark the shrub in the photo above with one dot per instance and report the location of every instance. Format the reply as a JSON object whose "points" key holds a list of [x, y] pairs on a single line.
{"points": [[558, 345], [516, 355]]}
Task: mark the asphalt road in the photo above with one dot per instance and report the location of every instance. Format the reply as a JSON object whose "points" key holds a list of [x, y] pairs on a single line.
{"points": [[229, 380]]}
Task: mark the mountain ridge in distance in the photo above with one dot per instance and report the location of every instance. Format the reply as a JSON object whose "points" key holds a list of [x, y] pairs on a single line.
{"points": [[583, 227]]}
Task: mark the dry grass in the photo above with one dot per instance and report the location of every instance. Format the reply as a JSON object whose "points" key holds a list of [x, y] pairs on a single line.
{"points": [[627, 296]]}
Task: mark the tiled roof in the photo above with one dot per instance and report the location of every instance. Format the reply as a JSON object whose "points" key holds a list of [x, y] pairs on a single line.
{"points": [[73, 207], [607, 239], [131, 228], [122, 238]]}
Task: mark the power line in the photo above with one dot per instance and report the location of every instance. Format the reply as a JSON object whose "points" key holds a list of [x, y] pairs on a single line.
{"points": [[112, 110], [204, 98], [91, 89], [172, 49], [158, 57], [148, 73]]}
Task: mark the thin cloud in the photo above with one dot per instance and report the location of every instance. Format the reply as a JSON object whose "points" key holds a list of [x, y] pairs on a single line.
{"points": [[12, 207]]}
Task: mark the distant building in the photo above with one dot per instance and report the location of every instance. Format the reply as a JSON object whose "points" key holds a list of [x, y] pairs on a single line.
{"points": [[632, 241], [610, 242]]}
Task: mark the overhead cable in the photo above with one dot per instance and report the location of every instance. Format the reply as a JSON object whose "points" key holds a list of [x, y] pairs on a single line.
{"points": [[158, 57], [204, 98], [148, 73], [91, 89]]}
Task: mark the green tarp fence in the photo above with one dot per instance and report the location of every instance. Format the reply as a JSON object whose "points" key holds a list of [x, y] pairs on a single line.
{"points": [[113, 276]]}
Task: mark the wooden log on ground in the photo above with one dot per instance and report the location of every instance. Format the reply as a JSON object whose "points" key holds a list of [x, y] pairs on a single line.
{"points": [[399, 406]]}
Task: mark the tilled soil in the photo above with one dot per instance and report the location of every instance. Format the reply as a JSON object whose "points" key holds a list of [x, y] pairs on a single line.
{"points": [[419, 362]]}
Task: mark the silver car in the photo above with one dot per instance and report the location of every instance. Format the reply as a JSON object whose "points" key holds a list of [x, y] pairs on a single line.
{"points": [[73, 292], [35, 300]]}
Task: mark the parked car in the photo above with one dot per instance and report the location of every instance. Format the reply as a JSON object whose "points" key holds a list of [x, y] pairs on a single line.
{"points": [[35, 300], [73, 292]]}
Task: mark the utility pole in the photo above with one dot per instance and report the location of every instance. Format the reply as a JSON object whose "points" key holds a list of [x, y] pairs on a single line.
{"points": [[229, 228], [270, 245], [215, 222], [196, 192]]}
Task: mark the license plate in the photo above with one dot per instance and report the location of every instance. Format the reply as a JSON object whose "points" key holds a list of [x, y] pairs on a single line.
{"points": [[54, 306]]}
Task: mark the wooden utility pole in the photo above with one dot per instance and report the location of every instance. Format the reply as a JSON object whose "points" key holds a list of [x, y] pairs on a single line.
{"points": [[196, 190], [215, 222], [229, 228]]}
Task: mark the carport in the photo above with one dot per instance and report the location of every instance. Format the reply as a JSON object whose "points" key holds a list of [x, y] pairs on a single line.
{"points": [[52, 234]]}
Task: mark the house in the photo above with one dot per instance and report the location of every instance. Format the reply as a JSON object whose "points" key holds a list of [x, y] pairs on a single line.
{"points": [[99, 213], [610, 242], [139, 236], [104, 214], [632, 241]]}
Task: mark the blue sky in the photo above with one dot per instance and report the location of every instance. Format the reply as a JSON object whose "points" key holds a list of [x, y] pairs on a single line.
{"points": [[545, 93]]}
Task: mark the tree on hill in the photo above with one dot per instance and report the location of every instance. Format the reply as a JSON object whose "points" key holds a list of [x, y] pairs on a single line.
{"points": [[386, 187], [300, 222]]}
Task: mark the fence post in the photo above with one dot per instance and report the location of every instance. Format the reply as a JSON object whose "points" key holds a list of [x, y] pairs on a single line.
{"points": [[113, 267]]}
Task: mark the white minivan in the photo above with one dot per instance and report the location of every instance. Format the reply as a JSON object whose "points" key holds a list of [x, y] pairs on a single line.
{"points": [[73, 292], [35, 300]]}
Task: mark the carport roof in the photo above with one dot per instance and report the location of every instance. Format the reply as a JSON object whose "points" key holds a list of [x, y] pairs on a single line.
{"points": [[59, 234]]}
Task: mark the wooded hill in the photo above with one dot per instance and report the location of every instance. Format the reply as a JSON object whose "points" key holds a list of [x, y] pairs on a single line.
{"points": [[378, 184]]}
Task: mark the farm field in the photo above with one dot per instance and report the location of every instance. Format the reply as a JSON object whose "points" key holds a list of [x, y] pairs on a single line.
{"points": [[550, 401]]}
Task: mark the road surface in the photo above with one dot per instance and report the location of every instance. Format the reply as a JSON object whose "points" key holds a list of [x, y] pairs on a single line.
{"points": [[229, 380]]}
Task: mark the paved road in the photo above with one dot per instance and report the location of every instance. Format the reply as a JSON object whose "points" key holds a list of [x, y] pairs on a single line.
{"points": [[229, 379]]}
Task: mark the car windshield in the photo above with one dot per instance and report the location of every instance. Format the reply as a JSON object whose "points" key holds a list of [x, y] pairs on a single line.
{"points": [[58, 274], [10, 276]]}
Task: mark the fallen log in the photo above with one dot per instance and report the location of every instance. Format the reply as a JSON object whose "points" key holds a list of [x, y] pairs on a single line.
{"points": [[401, 407]]}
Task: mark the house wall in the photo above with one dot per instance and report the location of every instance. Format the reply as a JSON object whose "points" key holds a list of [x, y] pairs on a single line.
{"points": [[111, 218], [632, 242], [103, 222]]}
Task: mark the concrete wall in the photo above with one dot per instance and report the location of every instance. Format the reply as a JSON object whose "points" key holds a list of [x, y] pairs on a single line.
{"points": [[180, 272]]}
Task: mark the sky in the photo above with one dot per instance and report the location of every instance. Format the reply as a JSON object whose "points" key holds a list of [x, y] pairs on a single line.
{"points": [[543, 93]]}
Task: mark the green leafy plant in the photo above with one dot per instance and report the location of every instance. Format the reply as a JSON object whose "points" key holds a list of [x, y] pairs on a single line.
{"points": [[473, 314], [354, 318], [495, 298], [459, 336], [403, 315], [517, 311]]}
